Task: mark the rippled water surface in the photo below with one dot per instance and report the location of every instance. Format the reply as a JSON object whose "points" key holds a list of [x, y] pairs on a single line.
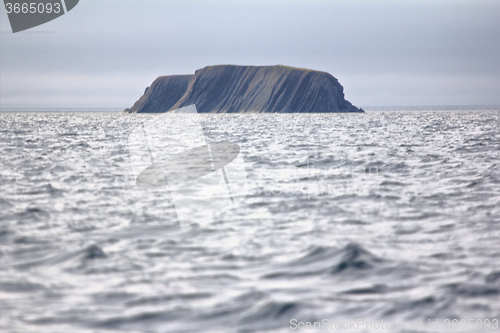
{"points": [[387, 215]]}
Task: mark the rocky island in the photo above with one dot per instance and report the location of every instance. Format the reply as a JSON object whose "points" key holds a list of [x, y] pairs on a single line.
{"points": [[230, 89]]}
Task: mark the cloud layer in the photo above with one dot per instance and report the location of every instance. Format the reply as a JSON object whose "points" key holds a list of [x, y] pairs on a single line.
{"points": [[104, 53]]}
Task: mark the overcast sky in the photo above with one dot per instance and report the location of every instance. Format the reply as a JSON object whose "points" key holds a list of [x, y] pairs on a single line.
{"points": [[384, 53]]}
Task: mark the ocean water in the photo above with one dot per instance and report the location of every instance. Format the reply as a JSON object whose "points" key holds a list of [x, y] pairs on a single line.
{"points": [[389, 216]]}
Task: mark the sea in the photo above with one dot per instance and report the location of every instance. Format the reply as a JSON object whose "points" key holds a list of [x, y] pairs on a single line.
{"points": [[383, 221]]}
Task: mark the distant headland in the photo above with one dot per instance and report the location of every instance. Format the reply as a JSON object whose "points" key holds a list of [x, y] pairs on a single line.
{"points": [[240, 89]]}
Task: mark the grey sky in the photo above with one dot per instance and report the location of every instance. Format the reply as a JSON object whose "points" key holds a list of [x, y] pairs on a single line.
{"points": [[384, 53]]}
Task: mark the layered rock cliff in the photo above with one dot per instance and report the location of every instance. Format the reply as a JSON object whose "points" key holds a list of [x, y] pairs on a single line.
{"points": [[228, 88]]}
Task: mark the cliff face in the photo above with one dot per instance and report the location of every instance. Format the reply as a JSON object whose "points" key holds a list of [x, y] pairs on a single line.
{"points": [[229, 88], [164, 92]]}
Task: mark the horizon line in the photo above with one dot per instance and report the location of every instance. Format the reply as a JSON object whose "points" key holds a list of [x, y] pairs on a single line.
{"points": [[370, 106]]}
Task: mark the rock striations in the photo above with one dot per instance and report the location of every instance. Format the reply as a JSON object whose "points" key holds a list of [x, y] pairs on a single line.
{"points": [[228, 88]]}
